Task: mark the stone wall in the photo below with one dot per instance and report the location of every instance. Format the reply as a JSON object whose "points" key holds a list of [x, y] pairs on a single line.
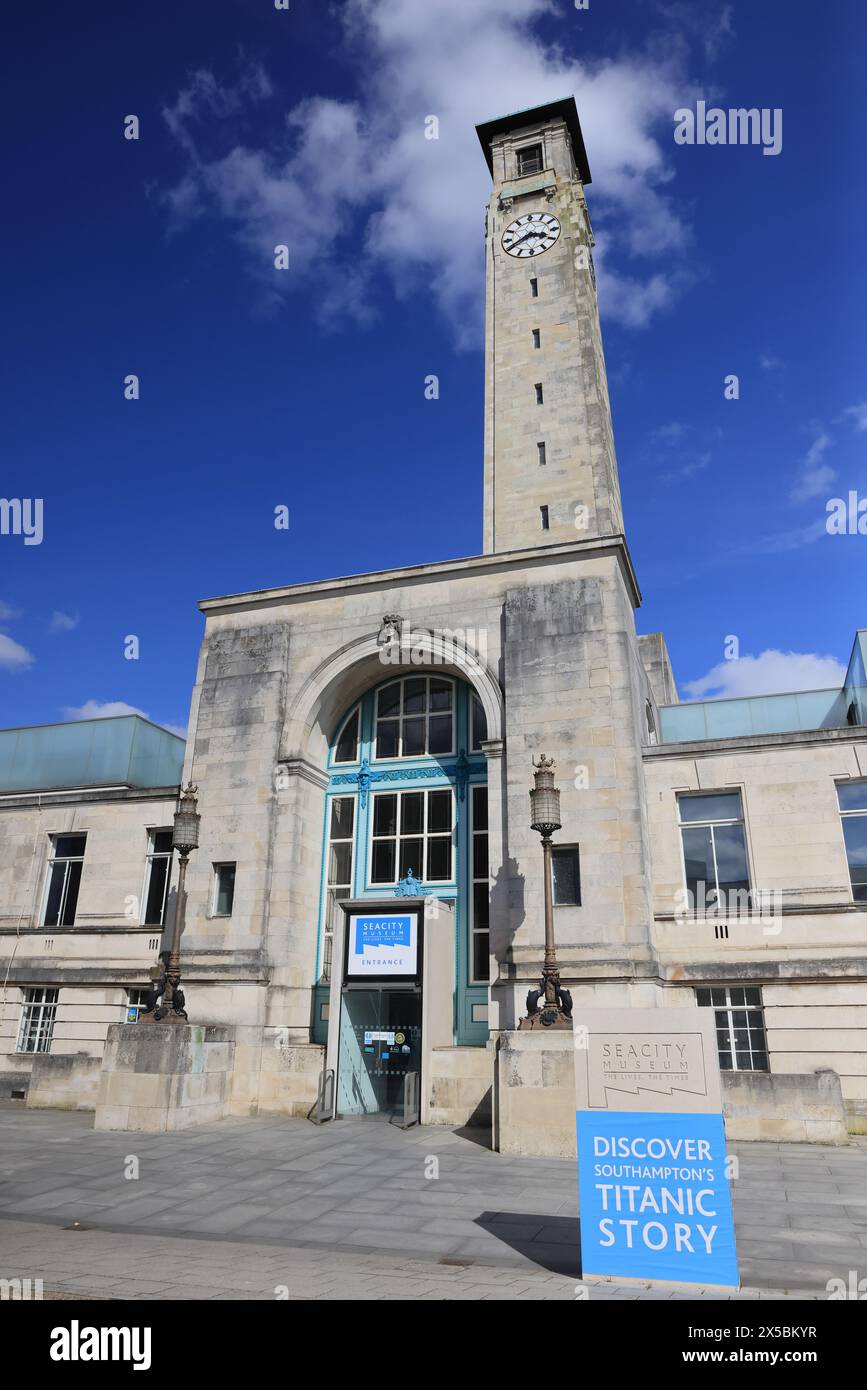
{"points": [[64, 1082], [797, 1109]]}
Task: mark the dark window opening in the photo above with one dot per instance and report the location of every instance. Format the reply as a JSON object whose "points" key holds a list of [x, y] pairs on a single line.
{"points": [[543, 514], [529, 160]]}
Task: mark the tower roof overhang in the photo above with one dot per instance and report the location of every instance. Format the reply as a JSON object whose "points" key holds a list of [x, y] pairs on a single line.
{"points": [[565, 108]]}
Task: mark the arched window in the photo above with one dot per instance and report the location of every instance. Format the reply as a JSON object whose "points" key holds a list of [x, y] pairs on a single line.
{"points": [[407, 794]]}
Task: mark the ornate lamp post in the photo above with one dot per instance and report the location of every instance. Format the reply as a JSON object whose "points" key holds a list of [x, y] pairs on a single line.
{"points": [[165, 1002], [556, 1002]]}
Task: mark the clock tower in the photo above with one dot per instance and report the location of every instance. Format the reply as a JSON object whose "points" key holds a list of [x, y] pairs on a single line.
{"points": [[550, 467]]}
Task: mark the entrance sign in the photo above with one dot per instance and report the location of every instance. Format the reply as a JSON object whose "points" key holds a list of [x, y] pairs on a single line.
{"points": [[382, 945], [653, 1187]]}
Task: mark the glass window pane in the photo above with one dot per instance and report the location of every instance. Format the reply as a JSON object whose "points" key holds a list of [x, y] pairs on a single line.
{"points": [[73, 880], [340, 862], [725, 1061], [698, 863], [155, 903], [753, 996], [567, 885], [731, 859], [855, 836], [342, 817], [481, 956], [480, 808], [440, 695], [55, 895], [480, 856], [440, 736], [852, 796], [386, 738], [225, 890], [439, 811], [385, 814], [717, 806], [388, 701], [382, 865], [68, 846], [415, 695], [348, 742], [439, 858], [480, 723], [702, 997], [413, 737], [481, 905], [412, 858], [161, 842], [412, 813]]}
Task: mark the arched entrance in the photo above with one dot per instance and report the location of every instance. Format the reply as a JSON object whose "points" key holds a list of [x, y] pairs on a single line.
{"points": [[406, 809]]}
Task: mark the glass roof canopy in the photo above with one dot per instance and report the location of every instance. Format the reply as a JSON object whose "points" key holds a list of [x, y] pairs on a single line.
{"points": [[127, 751], [799, 711]]}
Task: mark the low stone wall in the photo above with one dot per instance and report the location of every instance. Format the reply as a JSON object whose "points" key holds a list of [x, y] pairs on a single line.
{"points": [[795, 1108], [534, 1110], [273, 1077], [459, 1086], [65, 1081], [164, 1077]]}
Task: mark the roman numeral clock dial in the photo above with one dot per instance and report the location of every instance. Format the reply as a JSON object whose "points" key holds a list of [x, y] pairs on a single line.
{"points": [[531, 234]]}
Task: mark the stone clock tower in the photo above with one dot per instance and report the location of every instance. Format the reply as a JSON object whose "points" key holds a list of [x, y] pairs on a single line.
{"points": [[550, 468]]}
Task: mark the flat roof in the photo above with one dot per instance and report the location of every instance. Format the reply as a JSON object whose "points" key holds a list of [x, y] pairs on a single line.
{"points": [[565, 107]]}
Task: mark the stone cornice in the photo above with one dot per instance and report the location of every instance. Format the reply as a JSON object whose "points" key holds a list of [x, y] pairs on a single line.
{"points": [[500, 562]]}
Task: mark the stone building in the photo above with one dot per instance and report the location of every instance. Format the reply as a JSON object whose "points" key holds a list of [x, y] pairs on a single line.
{"points": [[363, 738]]}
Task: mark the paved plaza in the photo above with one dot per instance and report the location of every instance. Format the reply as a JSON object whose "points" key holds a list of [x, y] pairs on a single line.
{"points": [[261, 1208]]}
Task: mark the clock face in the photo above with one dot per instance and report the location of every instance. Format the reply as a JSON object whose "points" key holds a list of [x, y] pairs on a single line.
{"points": [[531, 235]]}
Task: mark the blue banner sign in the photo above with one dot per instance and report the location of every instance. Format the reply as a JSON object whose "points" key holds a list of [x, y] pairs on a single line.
{"points": [[654, 1197]]}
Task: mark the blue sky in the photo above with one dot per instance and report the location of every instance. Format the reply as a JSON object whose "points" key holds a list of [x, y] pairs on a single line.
{"points": [[305, 388]]}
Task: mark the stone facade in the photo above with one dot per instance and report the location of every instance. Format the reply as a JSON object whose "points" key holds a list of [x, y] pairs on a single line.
{"points": [[548, 648]]}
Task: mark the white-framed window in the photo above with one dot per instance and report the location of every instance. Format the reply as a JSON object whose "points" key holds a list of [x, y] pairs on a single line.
{"points": [[224, 890], [37, 1020], [740, 1026], [852, 800], [566, 875], [714, 844], [158, 873], [415, 717], [413, 832], [63, 880], [346, 743], [135, 1002], [338, 875], [480, 888]]}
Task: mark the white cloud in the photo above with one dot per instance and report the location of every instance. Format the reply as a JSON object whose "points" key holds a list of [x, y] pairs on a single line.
{"points": [[101, 709], [7, 612], [13, 657], [770, 673], [769, 363], [354, 188], [815, 476], [63, 622], [858, 414], [111, 709]]}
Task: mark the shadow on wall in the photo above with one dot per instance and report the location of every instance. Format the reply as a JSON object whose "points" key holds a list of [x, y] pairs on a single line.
{"points": [[507, 907]]}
